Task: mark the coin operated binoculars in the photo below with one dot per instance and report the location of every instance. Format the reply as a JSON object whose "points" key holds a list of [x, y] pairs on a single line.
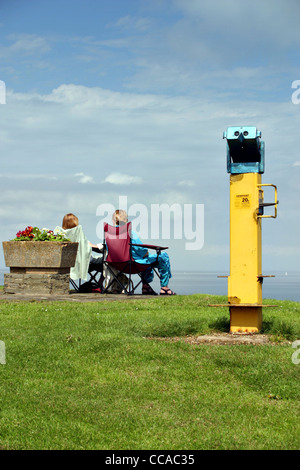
{"points": [[245, 163]]}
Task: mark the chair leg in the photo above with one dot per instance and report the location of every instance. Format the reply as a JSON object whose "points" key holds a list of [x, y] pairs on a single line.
{"points": [[115, 278], [74, 285], [93, 278], [134, 287]]}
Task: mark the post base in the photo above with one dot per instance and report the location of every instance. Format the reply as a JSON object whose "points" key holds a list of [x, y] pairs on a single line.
{"points": [[245, 319]]}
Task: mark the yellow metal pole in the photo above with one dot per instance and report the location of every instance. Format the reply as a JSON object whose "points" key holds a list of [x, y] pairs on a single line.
{"points": [[244, 282]]}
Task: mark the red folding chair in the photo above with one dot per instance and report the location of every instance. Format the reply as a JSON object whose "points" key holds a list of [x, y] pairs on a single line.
{"points": [[119, 257]]}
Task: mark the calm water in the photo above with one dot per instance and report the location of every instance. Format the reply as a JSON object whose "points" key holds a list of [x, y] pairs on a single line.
{"points": [[284, 286], [281, 287]]}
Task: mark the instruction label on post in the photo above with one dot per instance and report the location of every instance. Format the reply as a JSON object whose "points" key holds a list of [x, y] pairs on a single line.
{"points": [[242, 201]]}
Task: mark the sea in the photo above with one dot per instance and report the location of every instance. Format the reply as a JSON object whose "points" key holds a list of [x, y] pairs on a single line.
{"points": [[284, 286]]}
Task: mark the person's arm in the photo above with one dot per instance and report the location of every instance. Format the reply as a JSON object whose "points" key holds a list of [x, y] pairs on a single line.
{"points": [[98, 247], [138, 251]]}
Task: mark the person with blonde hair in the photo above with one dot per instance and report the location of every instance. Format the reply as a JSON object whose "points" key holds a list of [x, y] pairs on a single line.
{"points": [[119, 217], [141, 255]]}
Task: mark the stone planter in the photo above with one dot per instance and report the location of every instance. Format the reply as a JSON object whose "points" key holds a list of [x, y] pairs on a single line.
{"points": [[41, 267]]}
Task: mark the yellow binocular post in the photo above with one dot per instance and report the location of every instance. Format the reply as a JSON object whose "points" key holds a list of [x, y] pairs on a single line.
{"points": [[245, 163]]}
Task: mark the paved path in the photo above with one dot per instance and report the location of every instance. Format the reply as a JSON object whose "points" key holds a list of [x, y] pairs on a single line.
{"points": [[72, 297]]}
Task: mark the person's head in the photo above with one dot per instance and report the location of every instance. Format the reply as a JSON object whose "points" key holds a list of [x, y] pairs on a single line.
{"points": [[69, 221], [119, 217]]}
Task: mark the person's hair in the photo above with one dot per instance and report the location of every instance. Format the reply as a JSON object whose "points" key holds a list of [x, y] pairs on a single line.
{"points": [[119, 217], [69, 221]]}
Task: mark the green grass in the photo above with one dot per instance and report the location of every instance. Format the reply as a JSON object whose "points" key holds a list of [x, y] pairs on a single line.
{"points": [[96, 376]]}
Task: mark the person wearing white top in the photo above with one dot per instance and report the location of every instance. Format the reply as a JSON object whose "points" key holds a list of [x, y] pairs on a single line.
{"points": [[74, 232]]}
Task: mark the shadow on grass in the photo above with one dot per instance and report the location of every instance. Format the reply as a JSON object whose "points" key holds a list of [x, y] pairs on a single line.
{"points": [[274, 327], [186, 328], [279, 328], [221, 324]]}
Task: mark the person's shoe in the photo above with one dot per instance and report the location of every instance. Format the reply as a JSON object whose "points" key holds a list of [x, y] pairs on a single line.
{"points": [[147, 290], [166, 291]]}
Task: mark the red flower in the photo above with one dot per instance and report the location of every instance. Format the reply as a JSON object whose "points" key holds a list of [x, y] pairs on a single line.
{"points": [[26, 233]]}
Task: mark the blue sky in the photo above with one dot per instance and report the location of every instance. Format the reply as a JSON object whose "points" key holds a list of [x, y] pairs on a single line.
{"points": [[106, 98]]}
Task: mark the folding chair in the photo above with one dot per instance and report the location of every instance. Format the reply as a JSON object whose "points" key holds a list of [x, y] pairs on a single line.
{"points": [[83, 270], [95, 272], [119, 258], [95, 280]]}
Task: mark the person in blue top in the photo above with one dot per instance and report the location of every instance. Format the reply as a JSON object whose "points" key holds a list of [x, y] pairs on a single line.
{"points": [[141, 255]]}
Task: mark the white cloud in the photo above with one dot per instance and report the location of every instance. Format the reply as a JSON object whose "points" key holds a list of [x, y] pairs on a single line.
{"points": [[84, 179], [25, 44], [133, 23], [188, 183], [122, 179], [96, 98]]}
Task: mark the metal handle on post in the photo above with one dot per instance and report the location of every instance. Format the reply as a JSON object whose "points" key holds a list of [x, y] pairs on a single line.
{"points": [[269, 204]]}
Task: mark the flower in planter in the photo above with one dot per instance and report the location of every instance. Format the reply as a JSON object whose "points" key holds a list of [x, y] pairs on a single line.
{"points": [[25, 234], [36, 234]]}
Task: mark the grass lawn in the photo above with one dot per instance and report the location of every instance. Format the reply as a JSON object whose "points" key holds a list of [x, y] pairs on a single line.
{"points": [[97, 376]]}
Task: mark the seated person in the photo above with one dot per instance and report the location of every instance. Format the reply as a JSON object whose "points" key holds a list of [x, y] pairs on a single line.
{"points": [[141, 255], [84, 260]]}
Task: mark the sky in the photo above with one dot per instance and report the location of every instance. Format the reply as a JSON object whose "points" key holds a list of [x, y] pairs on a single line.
{"points": [[109, 101]]}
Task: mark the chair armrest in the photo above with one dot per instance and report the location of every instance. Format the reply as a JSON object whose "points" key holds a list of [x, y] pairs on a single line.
{"points": [[97, 249], [153, 247]]}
